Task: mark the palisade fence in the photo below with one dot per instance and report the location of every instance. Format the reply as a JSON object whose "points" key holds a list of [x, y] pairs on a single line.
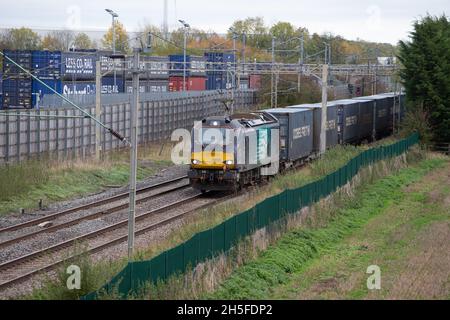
{"points": [[207, 244], [64, 134]]}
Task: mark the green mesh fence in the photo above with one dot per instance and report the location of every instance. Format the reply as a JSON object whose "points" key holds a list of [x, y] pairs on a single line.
{"points": [[221, 238]]}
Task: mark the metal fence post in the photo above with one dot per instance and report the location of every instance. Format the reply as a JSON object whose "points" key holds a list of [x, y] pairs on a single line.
{"points": [[18, 138]]}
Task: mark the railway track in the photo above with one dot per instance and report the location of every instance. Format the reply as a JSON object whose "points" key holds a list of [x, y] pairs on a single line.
{"points": [[20, 269], [90, 216], [87, 206]]}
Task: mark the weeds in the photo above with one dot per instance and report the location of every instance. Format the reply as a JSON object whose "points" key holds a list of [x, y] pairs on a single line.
{"points": [[23, 185]]}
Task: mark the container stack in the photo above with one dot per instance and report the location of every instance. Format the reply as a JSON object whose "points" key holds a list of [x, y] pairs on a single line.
{"points": [[74, 73], [219, 65], [78, 72], [17, 85], [155, 76], [46, 65], [195, 73]]}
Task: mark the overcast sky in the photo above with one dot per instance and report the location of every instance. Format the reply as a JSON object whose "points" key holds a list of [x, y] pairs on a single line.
{"points": [[377, 20]]}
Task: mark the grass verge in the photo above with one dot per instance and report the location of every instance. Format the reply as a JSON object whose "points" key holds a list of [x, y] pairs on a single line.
{"points": [[23, 185], [295, 251]]}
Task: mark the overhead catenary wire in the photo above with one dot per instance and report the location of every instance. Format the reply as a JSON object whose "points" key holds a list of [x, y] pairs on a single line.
{"points": [[110, 130], [29, 115]]}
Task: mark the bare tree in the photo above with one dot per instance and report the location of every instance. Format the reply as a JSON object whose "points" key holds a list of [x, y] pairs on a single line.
{"points": [[58, 40]]}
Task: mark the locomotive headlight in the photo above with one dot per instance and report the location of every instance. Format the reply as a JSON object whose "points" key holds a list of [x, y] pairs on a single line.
{"points": [[195, 162], [229, 162]]}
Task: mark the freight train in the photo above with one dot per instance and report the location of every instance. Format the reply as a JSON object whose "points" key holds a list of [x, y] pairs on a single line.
{"points": [[230, 152]]}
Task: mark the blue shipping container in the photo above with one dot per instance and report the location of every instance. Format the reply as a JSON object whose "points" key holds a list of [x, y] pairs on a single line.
{"points": [[42, 90], [177, 64], [82, 88], [22, 58], [219, 60], [217, 81], [46, 64], [78, 66], [17, 92]]}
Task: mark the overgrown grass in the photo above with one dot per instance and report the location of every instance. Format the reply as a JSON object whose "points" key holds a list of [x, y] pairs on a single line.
{"points": [[23, 185], [211, 217], [293, 251], [92, 277], [18, 179]]}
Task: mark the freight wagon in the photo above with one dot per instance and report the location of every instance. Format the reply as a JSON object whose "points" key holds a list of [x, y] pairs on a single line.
{"points": [[383, 108], [296, 134], [331, 125]]}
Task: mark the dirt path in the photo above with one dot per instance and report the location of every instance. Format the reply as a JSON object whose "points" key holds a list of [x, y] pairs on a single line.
{"points": [[409, 241]]}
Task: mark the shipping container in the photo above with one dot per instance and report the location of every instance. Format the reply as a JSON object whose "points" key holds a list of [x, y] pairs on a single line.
{"points": [[41, 90], [331, 126], [148, 86], [129, 86], [383, 113], [17, 93], [255, 81], [158, 85], [217, 61], [218, 81], [89, 87], [195, 66], [111, 85], [296, 132], [366, 116], [155, 68], [46, 64], [78, 88], [192, 84], [392, 99], [347, 120], [244, 82], [78, 66], [23, 58]]}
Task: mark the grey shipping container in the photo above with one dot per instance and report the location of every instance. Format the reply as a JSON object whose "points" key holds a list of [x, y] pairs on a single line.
{"points": [[148, 86], [153, 68], [296, 132], [366, 116], [332, 128], [392, 101], [347, 120], [198, 66], [383, 108]]}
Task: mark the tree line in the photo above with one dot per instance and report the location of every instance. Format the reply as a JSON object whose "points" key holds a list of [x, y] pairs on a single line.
{"points": [[253, 31]]}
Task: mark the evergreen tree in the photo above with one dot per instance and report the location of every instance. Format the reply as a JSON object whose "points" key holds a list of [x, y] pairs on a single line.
{"points": [[426, 72]]}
